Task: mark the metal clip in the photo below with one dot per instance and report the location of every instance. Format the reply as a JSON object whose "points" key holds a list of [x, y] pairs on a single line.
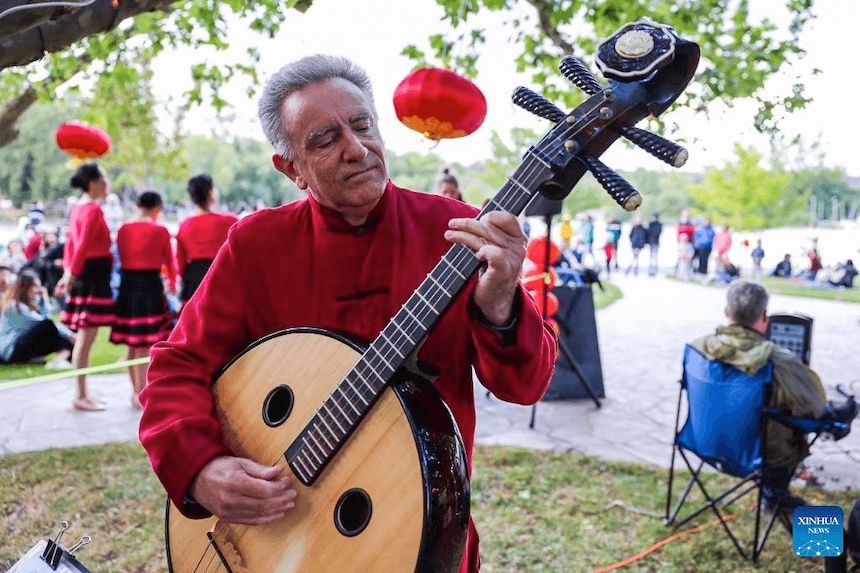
{"points": [[77, 546], [53, 551], [64, 525]]}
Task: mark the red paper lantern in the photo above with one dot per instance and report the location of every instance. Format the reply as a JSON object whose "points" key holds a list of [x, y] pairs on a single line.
{"points": [[439, 104], [82, 141]]}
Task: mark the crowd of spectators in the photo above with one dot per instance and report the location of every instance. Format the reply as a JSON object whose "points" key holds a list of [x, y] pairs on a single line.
{"points": [[704, 252]]}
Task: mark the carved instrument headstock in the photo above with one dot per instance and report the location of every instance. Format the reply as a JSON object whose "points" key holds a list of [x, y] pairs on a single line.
{"points": [[647, 66]]}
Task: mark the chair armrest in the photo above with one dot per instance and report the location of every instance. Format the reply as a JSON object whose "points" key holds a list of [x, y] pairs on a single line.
{"points": [[807, 425]]}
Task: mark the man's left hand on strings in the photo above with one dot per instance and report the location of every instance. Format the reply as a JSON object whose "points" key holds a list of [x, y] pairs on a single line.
{"points": [[499, 243]]}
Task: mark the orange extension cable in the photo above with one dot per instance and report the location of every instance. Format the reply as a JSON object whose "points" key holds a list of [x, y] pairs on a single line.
{"points": [[659, 544]]}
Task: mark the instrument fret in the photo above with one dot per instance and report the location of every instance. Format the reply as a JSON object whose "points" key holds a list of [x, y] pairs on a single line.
{"points": [[317, 442], [322, 424], [333, 418], [300, 467], [355, 392], [392, 345], [440, 285], [453, 267], [372, 369], [312, 452], [322, 435], [397, 326], [326, 426], [366, 383], [342, 411], [348, 401]]}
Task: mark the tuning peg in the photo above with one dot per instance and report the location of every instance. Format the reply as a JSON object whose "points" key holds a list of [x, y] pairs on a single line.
{"points": [[660, 147], [579, 75], [619, 189], [537, 104]]}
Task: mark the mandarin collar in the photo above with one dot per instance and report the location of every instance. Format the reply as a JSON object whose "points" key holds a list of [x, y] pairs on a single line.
{"points": [[333, 220]]}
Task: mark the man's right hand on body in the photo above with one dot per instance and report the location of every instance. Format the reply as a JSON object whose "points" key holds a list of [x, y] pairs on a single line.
{"points": [[239, 490]]}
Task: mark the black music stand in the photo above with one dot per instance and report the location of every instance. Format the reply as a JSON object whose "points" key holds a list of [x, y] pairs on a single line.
{"points": [[546, 208], [548, 211]]}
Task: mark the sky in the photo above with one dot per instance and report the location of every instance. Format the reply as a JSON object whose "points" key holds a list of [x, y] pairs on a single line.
{"points": [[373, 38]]}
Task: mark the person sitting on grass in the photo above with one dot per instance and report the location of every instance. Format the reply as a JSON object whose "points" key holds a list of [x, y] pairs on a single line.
{"points": [[13, 257], [7, 279], [783, 269], [815, 265], [26, 332], [796, 388], [726, 272], [843, 275]]}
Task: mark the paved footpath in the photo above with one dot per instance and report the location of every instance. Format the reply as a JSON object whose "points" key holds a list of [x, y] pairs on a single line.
{"points": [[641, 338]]}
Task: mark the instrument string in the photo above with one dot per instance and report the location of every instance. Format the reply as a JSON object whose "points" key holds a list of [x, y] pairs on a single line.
{"points": [[199, 561], [460, 258], [218, 563]]}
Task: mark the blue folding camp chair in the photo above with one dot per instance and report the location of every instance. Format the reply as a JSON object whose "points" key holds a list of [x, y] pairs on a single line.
{"points": [[725, 429]]}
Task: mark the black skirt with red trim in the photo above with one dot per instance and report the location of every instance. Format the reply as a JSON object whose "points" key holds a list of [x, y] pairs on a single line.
{"points": [[142, 317], [90, 300], [193, 276]]}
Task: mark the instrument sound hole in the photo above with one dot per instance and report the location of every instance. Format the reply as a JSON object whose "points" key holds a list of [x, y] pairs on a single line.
{"points": [[277, 406], [352, 512]]}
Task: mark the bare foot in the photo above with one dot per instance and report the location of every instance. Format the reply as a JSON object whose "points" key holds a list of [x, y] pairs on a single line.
{"points": [[87, 405], [135, 402]]}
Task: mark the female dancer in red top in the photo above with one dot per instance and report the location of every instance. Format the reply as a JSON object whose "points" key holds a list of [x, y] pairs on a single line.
{"points": [[200, 236], [87, 265], [142, 317]]}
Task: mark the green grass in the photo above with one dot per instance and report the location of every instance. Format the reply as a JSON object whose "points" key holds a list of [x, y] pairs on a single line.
{"points": [[603, 298], [791, 287], [536, 511], [103, 352]]}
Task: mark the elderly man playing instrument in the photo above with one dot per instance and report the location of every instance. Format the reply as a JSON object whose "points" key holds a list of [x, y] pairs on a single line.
{"points": [[344, 258]]}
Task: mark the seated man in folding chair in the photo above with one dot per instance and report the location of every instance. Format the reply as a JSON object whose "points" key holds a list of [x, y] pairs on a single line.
{"points": [[796, 388]]}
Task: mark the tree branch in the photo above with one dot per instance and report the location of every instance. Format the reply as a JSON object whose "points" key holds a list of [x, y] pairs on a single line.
{"points": [[12, 112], [26, 18], [31, 45], [547, 27]]}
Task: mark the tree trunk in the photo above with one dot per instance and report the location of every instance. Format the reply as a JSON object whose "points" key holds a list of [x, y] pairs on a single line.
{"points": [[100, 16], [12, 112]]}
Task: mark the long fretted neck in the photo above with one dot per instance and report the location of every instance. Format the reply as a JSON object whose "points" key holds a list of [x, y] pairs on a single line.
{"points": [[333, 423]]}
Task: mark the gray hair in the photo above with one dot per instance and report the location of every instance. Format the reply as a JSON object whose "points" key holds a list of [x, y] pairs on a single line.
{"points": [[746, 301], [297, 75]]}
